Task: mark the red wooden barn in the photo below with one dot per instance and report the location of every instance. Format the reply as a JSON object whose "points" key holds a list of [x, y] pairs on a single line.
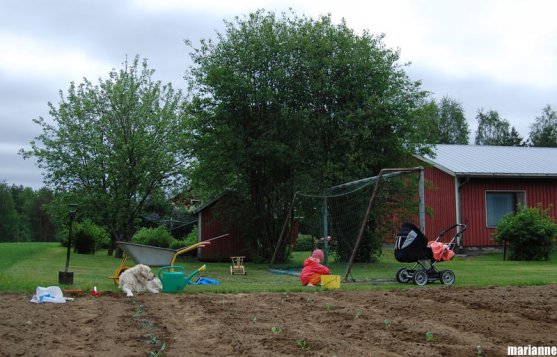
{"points": [[477, 185], [217, 218]]}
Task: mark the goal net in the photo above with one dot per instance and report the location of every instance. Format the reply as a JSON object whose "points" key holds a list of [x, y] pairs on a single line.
{"points": [[349, 221], [336, 214]]}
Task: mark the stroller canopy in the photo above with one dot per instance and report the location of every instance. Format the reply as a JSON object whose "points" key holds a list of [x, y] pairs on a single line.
{"points": [[411, 244]]}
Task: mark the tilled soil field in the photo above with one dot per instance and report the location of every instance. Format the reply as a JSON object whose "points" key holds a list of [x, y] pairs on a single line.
{"points": [[436, 321]]}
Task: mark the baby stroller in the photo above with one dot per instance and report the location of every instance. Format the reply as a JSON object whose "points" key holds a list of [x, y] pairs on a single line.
{"points": [[412, 247]]}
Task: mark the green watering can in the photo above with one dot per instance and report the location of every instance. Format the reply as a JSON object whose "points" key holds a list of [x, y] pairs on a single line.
{"points": [[175, 280]]}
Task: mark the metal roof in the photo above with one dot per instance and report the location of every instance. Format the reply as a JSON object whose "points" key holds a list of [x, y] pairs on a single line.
{"points": [[482, 160]]}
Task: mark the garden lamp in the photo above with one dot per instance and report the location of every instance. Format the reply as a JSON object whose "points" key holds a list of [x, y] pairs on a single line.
{"points": [[66, 277]]}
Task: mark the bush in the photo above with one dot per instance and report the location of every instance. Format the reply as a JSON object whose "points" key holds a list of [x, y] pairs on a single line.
{"points": [[192, 237], [157, 237], [304, 243], [189, 239], [530, 233], [89, 237], [177, 244]]}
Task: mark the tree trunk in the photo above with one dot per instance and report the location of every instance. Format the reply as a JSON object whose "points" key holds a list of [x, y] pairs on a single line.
{"points": [[111, 247], [114, 237]]}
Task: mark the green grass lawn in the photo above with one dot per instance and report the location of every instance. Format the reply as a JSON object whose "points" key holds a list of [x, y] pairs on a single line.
{"points": [[24, 266]]}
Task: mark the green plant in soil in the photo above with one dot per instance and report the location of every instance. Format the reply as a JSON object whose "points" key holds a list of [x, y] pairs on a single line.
{"points": [[302, 344]]}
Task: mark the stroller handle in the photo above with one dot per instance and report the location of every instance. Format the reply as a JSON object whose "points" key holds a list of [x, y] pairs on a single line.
{"points": [[462, 227]]}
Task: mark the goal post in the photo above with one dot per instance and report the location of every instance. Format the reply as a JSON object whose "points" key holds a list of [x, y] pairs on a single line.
{"points": [[339, 215], [421, 213]]}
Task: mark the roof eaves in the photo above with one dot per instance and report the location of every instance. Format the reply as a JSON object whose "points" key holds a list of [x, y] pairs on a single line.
{"points": [[507, 174], [209, 203], [436, 165]]}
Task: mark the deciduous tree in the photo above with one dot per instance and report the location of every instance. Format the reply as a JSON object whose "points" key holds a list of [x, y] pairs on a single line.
{"points": [[494, 130], [292, 103], [453, 127], [110, 146], [543, 132], [444, 122]]}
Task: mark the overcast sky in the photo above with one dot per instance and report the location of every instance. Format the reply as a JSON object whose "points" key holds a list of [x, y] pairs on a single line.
{"points": [[499, 55]]}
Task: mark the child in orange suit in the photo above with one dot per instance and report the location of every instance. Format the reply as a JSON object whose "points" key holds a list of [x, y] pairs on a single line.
{"points": [[313, 269]]}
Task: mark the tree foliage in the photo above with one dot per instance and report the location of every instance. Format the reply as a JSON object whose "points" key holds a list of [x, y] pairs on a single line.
{"points": [[42, 225], [23, 198], [452, 124], [448, 124], [543, 132], [23, 217], [427, 120], [497, 131], [8, 215], [112, 145], [292, 103], [444, 122]]}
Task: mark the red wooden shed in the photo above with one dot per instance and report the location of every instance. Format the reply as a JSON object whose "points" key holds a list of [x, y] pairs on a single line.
{"points": [[478, 185], [216, 218]]}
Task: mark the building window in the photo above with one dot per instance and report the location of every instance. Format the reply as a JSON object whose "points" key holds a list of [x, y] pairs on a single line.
{"points": [[500, 203]]}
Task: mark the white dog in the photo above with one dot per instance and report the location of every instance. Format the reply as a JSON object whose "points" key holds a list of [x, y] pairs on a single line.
{"points": [[139, 279]]}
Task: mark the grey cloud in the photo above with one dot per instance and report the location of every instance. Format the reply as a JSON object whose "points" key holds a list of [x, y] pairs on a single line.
{"points": [[519, 104], [108, 30], [15, 170]]}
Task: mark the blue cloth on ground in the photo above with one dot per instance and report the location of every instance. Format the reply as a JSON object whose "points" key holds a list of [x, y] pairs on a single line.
{"points": [[205, 281]]}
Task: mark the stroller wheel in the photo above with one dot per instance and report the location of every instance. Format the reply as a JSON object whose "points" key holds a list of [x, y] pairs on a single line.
{"points": [[447, 277], [420, 277], [403, 276]]}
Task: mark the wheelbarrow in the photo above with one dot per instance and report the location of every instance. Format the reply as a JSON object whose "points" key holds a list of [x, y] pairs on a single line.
{"points": [[151, 256]]}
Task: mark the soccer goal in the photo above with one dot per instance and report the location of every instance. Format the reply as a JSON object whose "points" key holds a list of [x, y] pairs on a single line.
{"points": [[339, 217]]}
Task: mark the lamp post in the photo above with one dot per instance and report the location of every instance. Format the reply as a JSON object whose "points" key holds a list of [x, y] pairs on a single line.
{"points": [[66, 277]]}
